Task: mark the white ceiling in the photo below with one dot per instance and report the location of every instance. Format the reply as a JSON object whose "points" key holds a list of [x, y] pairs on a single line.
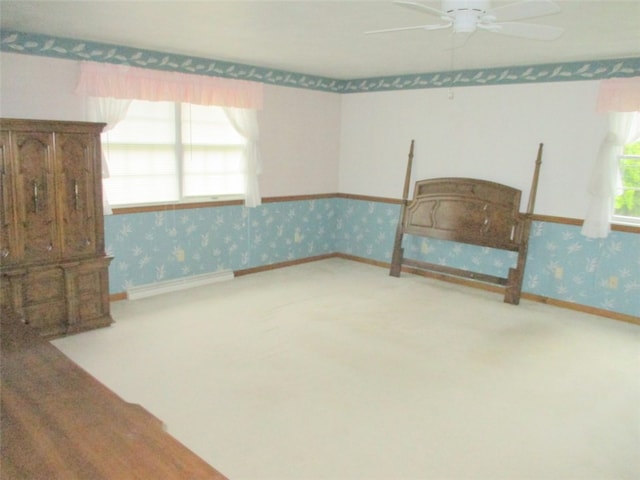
{"points": [[327, 38]]}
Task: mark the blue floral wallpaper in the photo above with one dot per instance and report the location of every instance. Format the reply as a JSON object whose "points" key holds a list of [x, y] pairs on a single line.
{"points": [[562, 264], [603, 273], [460, 255], [366, 229], [165, 245]]}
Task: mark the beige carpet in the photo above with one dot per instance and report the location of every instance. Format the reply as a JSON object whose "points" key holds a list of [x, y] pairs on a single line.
{"points": [[334, 370]]}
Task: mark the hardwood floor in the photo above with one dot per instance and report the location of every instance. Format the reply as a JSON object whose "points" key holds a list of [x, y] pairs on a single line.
{"points": [[58, 422]]}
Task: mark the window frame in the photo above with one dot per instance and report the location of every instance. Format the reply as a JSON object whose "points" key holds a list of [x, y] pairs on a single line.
{"points": [[179, 149], [625, 219]]}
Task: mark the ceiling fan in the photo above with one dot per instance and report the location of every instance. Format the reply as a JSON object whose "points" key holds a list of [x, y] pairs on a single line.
{"points": [[466, 16]]}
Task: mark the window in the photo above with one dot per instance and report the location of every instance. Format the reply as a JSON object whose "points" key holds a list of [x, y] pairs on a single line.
{"points": [[627, 201], [165, 152]]}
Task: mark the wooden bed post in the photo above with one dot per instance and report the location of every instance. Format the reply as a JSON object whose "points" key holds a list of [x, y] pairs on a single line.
{"points": [[396, 258], [516, 275]]}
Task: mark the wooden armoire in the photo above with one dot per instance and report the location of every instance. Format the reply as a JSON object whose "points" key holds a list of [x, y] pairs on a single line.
{"points": [[53, 267]]}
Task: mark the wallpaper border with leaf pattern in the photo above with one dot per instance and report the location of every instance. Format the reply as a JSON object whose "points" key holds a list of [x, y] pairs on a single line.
{"points": [[82, 50]]}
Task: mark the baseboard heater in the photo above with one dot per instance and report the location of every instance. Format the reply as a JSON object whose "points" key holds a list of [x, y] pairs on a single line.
{"points": [[157, 288]]}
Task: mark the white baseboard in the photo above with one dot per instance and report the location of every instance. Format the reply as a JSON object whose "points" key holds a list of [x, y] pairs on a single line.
{"points": [[148, 290]]}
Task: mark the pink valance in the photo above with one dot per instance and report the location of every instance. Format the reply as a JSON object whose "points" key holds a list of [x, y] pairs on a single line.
{"points": [[619, 95], [124, 82]]}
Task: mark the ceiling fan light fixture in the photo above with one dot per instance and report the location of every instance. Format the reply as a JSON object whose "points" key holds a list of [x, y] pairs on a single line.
{"points": [[466, 21]]}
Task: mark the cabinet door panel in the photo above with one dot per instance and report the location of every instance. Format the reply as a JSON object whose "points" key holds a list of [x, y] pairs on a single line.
{"points": [[10, 252], [35, 195], [91, 307], [75, 156], [87, 288], [6, 297]]}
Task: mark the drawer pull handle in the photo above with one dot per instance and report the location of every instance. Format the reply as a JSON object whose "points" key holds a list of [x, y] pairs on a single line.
{"points": [[75, 193], [35, 197], [485, 224]]}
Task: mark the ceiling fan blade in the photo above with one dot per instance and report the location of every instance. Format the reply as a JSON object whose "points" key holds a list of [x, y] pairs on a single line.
{"points": [[420, 7], [417, 27], [523, 9], [524, 30]]}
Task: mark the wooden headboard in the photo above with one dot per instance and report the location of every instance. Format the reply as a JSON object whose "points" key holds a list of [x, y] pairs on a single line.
{"points": [[472, 211]]}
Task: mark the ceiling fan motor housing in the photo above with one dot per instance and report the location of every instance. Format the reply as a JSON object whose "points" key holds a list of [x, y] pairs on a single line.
{"points": [[465, 14]]}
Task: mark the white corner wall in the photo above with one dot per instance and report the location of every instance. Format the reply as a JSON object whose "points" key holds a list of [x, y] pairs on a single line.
{"points": [[299, 141], [39, 88], [300, 129], [488, 132]]}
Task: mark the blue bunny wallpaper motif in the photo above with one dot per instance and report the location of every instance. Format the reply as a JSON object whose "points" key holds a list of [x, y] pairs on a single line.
{"points": [[603, 273], [459, 255], [561, 264], [366, 229], [165, 245]]}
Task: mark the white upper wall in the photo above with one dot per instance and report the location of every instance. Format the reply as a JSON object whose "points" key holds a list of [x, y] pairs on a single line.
{"points": [[316, 142], [39, 88], [299, 129], [488, 132], [299, 141]]}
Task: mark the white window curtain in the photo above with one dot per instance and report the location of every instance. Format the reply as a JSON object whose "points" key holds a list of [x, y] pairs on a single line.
{"points": [[620, 98], [110, 111], [123, 82]]}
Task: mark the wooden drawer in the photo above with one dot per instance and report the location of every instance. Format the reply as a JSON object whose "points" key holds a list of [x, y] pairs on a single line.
{"points": [[42, 286], [11, 281]]}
